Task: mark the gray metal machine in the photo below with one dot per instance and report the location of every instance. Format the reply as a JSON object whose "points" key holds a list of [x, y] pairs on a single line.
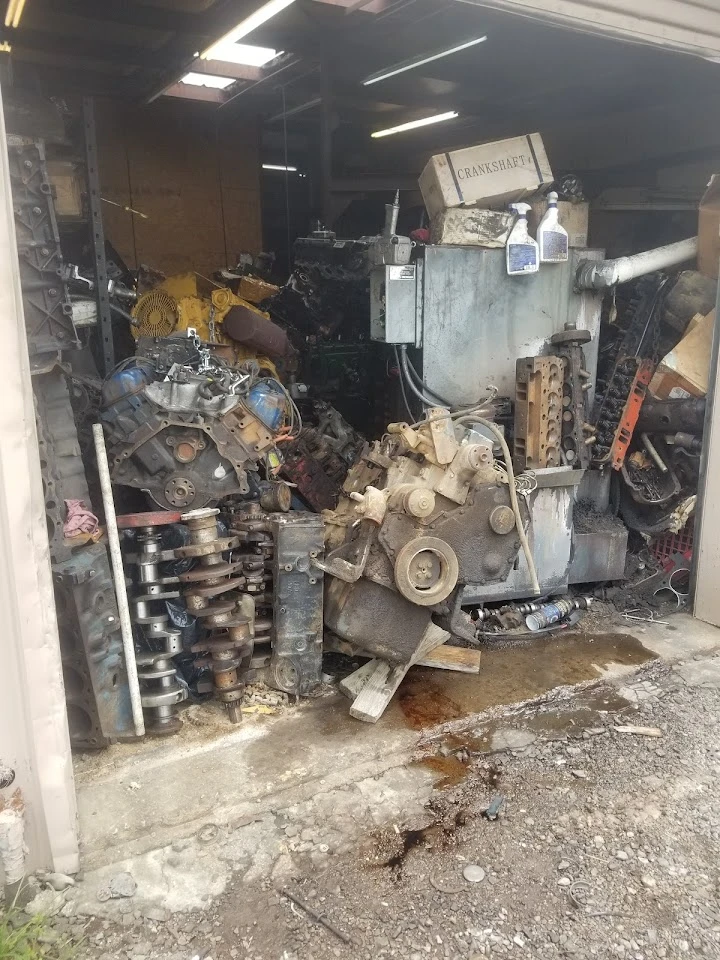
{"points": [[469, 323]]}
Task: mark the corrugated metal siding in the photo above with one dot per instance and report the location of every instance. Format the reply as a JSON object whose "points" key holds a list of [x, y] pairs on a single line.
{"points": [[690, 27]]}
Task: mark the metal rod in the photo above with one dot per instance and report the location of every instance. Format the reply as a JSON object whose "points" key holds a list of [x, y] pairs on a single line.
{"points": [[119, 577], [652, 450], [97, 234]]}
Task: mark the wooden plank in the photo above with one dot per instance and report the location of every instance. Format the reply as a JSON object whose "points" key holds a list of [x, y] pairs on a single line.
{"points": [[460, 659], [354, 682], [381, 685]]}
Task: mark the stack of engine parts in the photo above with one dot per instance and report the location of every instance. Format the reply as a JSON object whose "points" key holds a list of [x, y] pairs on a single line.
{"points": [[228, 619], [236, 328], [160, 690], [424, 511], [577, 435], [278, 553], [192, 431], [318, 461], [96, 685]]}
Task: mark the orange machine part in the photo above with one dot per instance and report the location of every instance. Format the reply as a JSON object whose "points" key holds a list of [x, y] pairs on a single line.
{"points": [[626, 427]]}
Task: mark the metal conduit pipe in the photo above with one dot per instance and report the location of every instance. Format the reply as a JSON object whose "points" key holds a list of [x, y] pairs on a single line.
{"points": [[599, 274]]}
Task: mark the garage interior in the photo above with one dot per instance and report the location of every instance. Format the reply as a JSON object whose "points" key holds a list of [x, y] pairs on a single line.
{"points": [[324, 421]]}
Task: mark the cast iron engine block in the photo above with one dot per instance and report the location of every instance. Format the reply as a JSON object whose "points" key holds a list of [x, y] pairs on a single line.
{"points": [[191, 434], [424, 511]]}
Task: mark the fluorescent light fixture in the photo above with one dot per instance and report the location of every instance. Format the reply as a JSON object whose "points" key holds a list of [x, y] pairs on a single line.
{"points": [[420, 61], [279, 166], [413, 124], [207, 80], [14, 12], [255, 20], [245, 54]]}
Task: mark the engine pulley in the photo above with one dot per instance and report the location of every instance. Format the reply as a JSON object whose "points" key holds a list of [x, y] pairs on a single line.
{"points": [[426, 571]]}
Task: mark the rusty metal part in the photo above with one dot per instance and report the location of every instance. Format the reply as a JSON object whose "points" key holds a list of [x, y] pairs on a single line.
{"points": [[279, 555], [318, 461], [538, 412], [160, 690], [157, 518], [229, 622], [575, 451], [96, 687], [670, 416], [620, 410]]}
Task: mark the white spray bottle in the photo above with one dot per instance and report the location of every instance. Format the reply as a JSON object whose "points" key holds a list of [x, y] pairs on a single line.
{"points": [[521, 251], [552, 238]]}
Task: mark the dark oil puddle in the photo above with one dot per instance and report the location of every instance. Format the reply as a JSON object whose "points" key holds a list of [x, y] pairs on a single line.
{"points": [[513, 673]]}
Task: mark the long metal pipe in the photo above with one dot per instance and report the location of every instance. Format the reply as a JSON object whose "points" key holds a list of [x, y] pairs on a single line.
{"points": [[119, 577], [599, 274]]}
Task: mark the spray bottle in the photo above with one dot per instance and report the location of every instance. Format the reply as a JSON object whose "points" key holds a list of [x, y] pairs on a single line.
{"points": [[521, 252], [552, 238]]}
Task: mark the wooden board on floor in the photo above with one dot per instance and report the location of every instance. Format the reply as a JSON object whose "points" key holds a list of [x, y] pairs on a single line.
{"points": [[381, 684], [461, 659]]}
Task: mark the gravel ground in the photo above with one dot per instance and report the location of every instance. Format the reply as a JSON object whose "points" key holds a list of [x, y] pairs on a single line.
{"points": [[606, 845]]}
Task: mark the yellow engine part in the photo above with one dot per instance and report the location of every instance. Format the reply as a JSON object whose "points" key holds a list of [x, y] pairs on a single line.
{"points": [[255, 290], [176, 305], [156, 313]]}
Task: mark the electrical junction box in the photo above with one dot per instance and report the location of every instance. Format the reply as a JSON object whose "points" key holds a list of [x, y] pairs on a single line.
{"points": [[394, 311]]}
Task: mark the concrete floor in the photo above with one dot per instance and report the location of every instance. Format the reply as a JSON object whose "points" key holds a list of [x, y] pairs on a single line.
{"points": [[137, 798]]}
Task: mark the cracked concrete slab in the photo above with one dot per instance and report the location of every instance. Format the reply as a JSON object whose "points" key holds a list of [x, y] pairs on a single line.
{"points": [[700, 673]]}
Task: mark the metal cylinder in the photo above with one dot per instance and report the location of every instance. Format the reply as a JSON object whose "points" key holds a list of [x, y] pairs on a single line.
{"points": [[160, 690], [229, 621]]}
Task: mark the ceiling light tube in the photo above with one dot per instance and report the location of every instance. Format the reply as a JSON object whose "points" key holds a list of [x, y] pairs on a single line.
{"points": [[18, 13], [10, 12], [255, 20], [420, 61], [413, 124], [280, 167]]}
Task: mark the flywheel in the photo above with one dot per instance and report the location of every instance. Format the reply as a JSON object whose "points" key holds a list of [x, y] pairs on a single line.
{"points": [[156, 313], [426, 571]]}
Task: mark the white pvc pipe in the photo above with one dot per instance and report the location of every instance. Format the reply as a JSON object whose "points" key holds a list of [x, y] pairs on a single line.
{"points": [[119, 577], [598, 274]]}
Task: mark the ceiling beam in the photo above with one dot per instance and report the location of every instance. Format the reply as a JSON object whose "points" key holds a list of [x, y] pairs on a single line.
{"points": [[186, 91], [125, 13], [78, 47], [223, 68]]}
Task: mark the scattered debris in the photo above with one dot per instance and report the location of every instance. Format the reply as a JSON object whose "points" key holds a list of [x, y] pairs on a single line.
{"points": [[473, 873], [318, 917], [638, 731], [121, 885], [493, 810]]}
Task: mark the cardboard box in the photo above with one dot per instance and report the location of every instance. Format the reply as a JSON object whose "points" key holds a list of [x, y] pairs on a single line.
{"points": [[489, 175], [573, 216], [480, 228], [709, 229], [64, 177], [685, 370]]}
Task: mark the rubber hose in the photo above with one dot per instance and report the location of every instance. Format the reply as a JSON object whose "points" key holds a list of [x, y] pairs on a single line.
{"points": [[420, 383], [409, 380], [489, 425]]}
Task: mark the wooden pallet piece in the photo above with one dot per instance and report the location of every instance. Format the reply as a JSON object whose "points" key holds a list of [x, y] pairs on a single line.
{"points": [[460, 659], [354, 682], [381, 684]]}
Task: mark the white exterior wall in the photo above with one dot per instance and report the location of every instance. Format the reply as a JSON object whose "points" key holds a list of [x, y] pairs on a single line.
{"points": [[34, 737]]}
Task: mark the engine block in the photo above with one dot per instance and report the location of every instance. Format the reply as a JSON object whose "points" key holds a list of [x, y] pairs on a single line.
{"points": [[424, 512], [191, 434]]}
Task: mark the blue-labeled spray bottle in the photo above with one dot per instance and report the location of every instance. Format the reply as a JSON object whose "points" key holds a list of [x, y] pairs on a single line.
{"points": [[552, 237], [521, 251]]}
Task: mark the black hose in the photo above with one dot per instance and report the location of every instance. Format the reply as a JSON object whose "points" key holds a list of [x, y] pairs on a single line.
{"points": [[420, 383]]}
